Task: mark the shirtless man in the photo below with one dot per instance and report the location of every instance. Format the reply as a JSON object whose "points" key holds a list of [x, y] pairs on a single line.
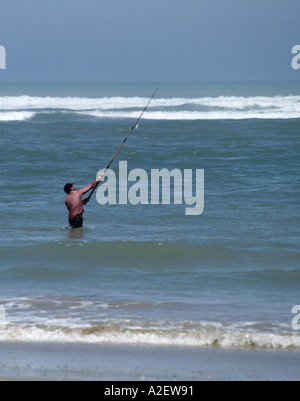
{"points": [[75, 203]]}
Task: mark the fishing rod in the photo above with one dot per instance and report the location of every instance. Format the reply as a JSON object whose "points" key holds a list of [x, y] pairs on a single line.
{"points": [[123, 143]]}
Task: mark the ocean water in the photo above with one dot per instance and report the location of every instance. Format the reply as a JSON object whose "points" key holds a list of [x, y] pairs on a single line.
{"points": [[149, 274]]}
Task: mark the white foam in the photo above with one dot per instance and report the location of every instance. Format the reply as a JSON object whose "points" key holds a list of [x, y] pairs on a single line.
{"points": [[69, 103], [203, 336], [16, 116], [194, 115], [214, 108]]}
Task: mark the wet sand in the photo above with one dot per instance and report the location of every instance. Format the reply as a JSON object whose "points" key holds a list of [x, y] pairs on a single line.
{"points": [[80, 362]]}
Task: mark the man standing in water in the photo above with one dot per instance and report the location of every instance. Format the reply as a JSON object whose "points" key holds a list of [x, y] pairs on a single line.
{"points": [[75, 203]]}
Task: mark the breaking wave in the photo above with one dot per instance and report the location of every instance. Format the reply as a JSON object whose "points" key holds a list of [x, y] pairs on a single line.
{"points": [[187, 334], [16, 116], [20, 108]]}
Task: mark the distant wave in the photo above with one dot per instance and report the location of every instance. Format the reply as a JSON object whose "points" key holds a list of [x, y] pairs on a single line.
{"points": [[194, 116], [206, 108], [16, 116]]}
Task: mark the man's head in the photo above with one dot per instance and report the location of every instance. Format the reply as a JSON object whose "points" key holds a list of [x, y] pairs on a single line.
{"points": [[68, 188]]}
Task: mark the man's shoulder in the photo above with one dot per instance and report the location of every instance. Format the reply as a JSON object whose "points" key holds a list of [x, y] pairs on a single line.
{"points": [[71, 195]]}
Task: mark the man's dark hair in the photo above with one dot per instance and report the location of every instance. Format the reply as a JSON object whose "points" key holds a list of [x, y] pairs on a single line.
{"points": [[67, 188]]}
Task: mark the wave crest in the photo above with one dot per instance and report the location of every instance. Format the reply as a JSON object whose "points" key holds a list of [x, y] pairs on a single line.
{"points": [[206, 108], [189, 335], [16, 116]]}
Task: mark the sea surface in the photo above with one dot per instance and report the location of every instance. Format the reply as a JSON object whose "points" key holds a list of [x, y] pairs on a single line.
{"points": [[150, 274]]}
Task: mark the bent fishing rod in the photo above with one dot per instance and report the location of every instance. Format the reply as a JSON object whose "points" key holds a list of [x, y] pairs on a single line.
{"points": [[123, 143]]}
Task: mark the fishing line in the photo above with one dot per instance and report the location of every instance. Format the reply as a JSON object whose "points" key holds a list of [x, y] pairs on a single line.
{"points": [[123, 143]]}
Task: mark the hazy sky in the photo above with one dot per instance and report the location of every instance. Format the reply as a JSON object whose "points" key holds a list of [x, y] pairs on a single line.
{"points": [[149, 40]]}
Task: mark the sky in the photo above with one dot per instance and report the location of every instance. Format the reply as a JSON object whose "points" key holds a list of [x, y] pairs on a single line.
{"points": [[149, 40]]}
